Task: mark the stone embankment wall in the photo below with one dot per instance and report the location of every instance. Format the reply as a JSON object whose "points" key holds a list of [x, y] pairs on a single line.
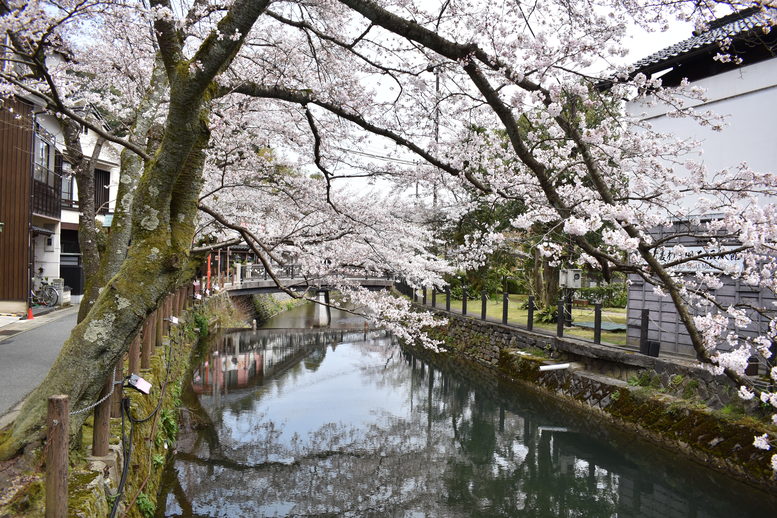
{"points": [[672, 403], [268, 305]]}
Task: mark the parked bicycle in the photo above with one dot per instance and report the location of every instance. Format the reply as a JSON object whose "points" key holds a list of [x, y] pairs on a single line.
{"points": [[46, 295]]}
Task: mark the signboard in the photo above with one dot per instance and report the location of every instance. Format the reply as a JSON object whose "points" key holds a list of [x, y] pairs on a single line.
{"points": [[729, 261]]}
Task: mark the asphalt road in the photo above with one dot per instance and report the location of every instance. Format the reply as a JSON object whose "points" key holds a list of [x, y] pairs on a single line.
{"points": [[26, 357]]}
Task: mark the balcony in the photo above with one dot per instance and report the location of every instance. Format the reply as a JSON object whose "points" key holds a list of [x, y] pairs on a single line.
{"points": [[46, 192]]}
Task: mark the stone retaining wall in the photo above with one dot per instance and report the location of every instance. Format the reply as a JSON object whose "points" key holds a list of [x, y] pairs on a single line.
{"points": [[482, 341]]}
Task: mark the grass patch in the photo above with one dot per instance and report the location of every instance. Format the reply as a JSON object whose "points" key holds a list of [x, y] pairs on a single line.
{"points": [[518, 314]]}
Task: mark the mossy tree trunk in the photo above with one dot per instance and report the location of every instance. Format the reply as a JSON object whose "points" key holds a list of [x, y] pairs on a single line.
{"points": [[164, 214], [113, 248]]}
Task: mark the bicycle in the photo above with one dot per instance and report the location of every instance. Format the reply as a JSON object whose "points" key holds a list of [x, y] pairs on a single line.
{"points": [[46, 295]]}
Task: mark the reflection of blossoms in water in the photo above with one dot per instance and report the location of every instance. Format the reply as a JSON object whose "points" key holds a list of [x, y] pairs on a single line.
{"points": [[397, 436]]}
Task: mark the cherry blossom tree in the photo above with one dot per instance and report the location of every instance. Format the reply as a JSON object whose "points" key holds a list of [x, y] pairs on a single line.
{"points": [[275, 109]]}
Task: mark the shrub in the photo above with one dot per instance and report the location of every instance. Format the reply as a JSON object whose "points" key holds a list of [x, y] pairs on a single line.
{"points": [[613, 295], [546, 315], [146, 507]]}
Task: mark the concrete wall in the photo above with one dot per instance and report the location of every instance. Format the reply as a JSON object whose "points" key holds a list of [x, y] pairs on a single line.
{"points": [[485, 342]]}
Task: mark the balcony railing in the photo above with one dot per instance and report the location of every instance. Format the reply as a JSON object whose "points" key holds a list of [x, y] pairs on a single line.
{"points": [[47, 192]]}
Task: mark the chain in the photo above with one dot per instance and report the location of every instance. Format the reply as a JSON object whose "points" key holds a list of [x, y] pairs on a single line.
{"points": [[109, 394]]}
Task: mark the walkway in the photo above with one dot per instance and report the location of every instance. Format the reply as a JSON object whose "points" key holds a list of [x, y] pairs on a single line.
{"points": [[28, 348]]}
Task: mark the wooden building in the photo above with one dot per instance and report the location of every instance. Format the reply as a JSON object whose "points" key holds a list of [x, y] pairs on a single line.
{"points": [[16, 155]]}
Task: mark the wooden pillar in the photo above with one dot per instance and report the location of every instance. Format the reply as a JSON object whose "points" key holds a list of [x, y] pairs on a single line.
{"points": [[560, 318], [102, 421], [57, 424], [597, 323], [530, 319], [133, 362], [118, 390]]}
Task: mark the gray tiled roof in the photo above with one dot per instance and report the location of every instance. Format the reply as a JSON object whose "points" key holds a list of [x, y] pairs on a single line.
{"points": [[720, 30]]}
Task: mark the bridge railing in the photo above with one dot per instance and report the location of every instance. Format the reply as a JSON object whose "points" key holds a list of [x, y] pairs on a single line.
{"points": [[257, 272]]}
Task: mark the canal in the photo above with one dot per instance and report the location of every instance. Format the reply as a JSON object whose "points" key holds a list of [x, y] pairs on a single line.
{"points": [[290, 420]]}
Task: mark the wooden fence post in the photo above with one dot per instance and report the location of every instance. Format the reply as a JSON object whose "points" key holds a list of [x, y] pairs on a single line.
{"points": [[58, 425], [597, 323], [530, 316], [134, 352], [159, 323], [117, 389], [102, 421], [178, 300], [149, 341]]}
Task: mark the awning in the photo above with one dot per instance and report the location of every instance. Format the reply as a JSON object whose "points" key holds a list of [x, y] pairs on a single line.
{"points": [[41, 231]]}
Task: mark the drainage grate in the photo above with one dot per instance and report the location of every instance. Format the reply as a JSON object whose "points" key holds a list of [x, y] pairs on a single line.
{"points": [[8, 332]]}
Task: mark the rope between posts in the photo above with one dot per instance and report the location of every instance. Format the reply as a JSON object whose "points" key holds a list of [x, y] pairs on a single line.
{"points": [[657, 324], [109, 394]]}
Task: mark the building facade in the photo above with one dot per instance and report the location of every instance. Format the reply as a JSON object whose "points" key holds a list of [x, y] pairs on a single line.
{"points": [[746, 94]]}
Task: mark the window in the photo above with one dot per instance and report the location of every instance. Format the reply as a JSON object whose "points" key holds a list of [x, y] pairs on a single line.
{"points": [[68, 192], [102, 180], [42, 154]]}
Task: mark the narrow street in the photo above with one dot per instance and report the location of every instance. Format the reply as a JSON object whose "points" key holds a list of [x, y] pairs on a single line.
{"points": [[27, 356]]}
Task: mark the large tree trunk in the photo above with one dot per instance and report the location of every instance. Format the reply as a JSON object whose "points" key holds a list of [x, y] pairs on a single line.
{"points": [[545, 281], [114, 248]]}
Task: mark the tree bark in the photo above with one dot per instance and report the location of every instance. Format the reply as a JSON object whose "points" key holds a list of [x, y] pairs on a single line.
{"points": [[114, 249]]}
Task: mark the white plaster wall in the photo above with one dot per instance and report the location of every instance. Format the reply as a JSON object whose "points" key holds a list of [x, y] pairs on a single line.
{"points": [[50, 124], [747, 97], [69, 216]]}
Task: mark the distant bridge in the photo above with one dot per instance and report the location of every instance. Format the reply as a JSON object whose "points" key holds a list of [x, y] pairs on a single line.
{"points": [[254, 279]]}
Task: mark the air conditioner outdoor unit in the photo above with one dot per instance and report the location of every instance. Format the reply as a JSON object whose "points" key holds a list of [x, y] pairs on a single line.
{"points": [[570, 278]]}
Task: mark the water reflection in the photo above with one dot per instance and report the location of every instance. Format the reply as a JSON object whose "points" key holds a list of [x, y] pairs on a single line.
{"points": [[339, 423]]}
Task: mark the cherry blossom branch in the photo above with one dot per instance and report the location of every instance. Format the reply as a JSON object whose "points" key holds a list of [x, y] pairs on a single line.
{"points": [[59, 107], [305, 97]]}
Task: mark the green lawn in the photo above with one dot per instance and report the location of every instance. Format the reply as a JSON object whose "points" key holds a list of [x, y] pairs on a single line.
{"points": [[516, 315]]}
